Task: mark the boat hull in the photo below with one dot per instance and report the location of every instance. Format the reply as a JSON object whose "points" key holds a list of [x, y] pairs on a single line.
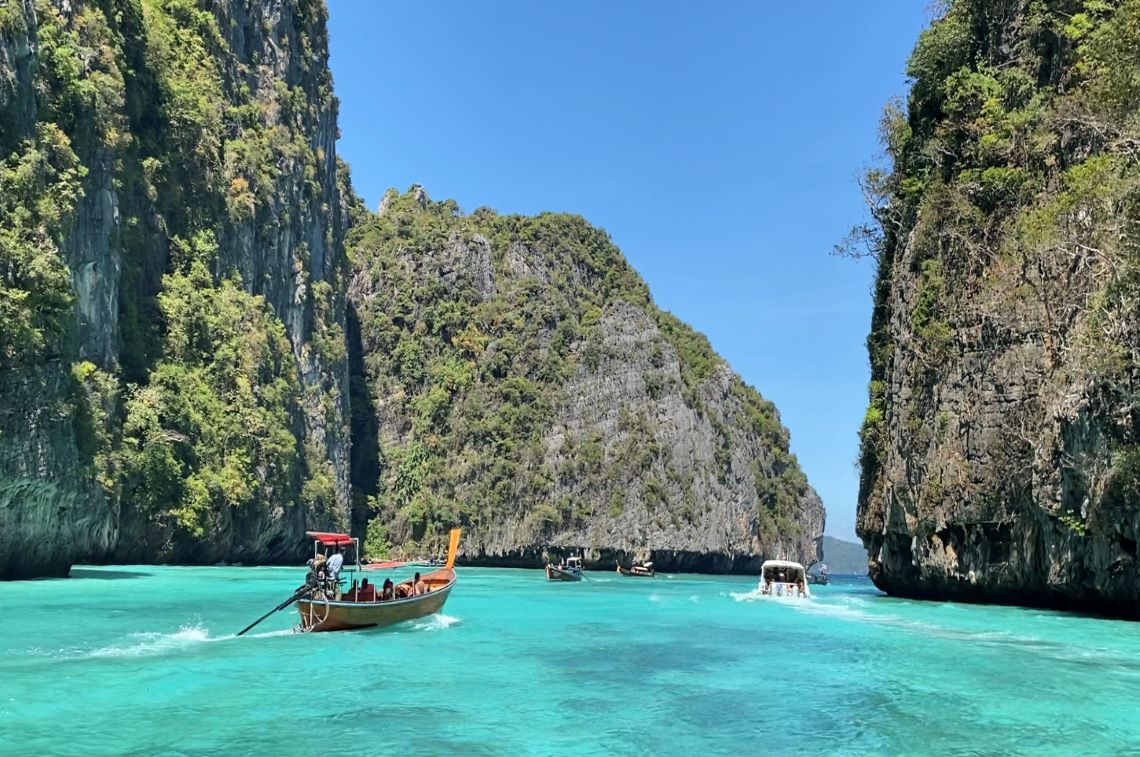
{"points": [[318, 615], [628, 573], [784, 591], [554, 573]]}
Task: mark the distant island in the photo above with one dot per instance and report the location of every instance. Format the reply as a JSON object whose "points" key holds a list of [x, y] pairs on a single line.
{"points": [[843, 558]]}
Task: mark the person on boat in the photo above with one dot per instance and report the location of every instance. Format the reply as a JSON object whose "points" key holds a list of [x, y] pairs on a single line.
{"points": [[366, 592], [418, 586], [388, 591], [335, 563]]}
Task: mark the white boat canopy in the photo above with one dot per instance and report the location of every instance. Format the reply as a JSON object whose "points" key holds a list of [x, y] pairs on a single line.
{"points": [[786, 564]]}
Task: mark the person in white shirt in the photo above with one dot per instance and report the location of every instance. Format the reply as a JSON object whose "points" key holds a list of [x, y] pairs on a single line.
{"points": [[334, 564]]}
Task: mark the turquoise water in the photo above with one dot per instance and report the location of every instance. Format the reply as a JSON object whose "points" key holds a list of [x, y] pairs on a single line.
{"points": [[142, 660]]}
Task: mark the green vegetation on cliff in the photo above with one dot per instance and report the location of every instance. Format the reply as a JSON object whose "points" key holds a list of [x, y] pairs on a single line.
{"points": [[174, 328], [211, 429], [166, 210], [39, 181], [1014, 159], [1004, 339], [474, 329]]}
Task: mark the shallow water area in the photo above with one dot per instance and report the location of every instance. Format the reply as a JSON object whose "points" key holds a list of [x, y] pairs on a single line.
{"points": [[144, 660]]}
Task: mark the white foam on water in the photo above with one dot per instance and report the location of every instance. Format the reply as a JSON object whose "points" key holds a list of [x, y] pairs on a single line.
{"points": [[1027, 642], [756, 595], [437, 622], [746, 596], [154, 643], [151, 643]]}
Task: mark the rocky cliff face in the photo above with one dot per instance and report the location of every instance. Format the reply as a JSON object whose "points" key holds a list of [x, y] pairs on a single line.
{"points": [[515, 377], [1001, 450], [48, 514], [169, 169]]}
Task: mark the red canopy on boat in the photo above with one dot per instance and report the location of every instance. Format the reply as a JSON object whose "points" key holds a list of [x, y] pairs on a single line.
{"points": [[329, 539]]}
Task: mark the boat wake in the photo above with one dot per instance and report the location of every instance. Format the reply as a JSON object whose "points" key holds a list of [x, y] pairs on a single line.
{"points": [[150, 644], [756, 595], [436, 622], [859, 611], [746, 596]]}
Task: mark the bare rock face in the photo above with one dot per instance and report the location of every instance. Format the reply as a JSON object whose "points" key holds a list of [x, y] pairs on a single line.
{"points": [[17, 62], [1001, 448], [520, 383], [49, 516], [686, 473]]}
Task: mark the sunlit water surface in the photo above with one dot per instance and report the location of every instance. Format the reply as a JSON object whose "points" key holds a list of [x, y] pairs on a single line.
{"points": [[144, 660]]}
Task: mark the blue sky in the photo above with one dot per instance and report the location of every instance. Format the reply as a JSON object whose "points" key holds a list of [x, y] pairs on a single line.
{"points": [[718, 144]]}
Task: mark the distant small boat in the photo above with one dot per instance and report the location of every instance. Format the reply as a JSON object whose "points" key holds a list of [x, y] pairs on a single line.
{"points": [[431, 562], [819, 578], [571, 570], [329, 609], [783, 578], [644, 570]]}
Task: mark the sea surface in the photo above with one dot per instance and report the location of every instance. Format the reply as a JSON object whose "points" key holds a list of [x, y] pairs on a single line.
{"points": [[143, 660]]}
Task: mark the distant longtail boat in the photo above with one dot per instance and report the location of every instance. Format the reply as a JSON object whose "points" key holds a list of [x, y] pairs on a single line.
{"points": [[638, 571], [570, 570]]}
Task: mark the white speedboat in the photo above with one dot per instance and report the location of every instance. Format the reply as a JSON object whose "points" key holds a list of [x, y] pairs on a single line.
{"points": [[783, 578]]}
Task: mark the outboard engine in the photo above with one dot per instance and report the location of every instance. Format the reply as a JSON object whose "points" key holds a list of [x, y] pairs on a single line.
{"points": [[317, 579]]}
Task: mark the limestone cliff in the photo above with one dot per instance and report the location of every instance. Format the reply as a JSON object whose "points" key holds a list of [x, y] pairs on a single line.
{"points": [[1001, 449], [175, 332], [513, 376], [172, 363]]}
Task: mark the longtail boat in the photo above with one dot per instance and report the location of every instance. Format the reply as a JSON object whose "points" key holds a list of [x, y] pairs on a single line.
{"points": [[389, 564], [329, 608], [385, 565], [571, 570], [638, 571]]}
